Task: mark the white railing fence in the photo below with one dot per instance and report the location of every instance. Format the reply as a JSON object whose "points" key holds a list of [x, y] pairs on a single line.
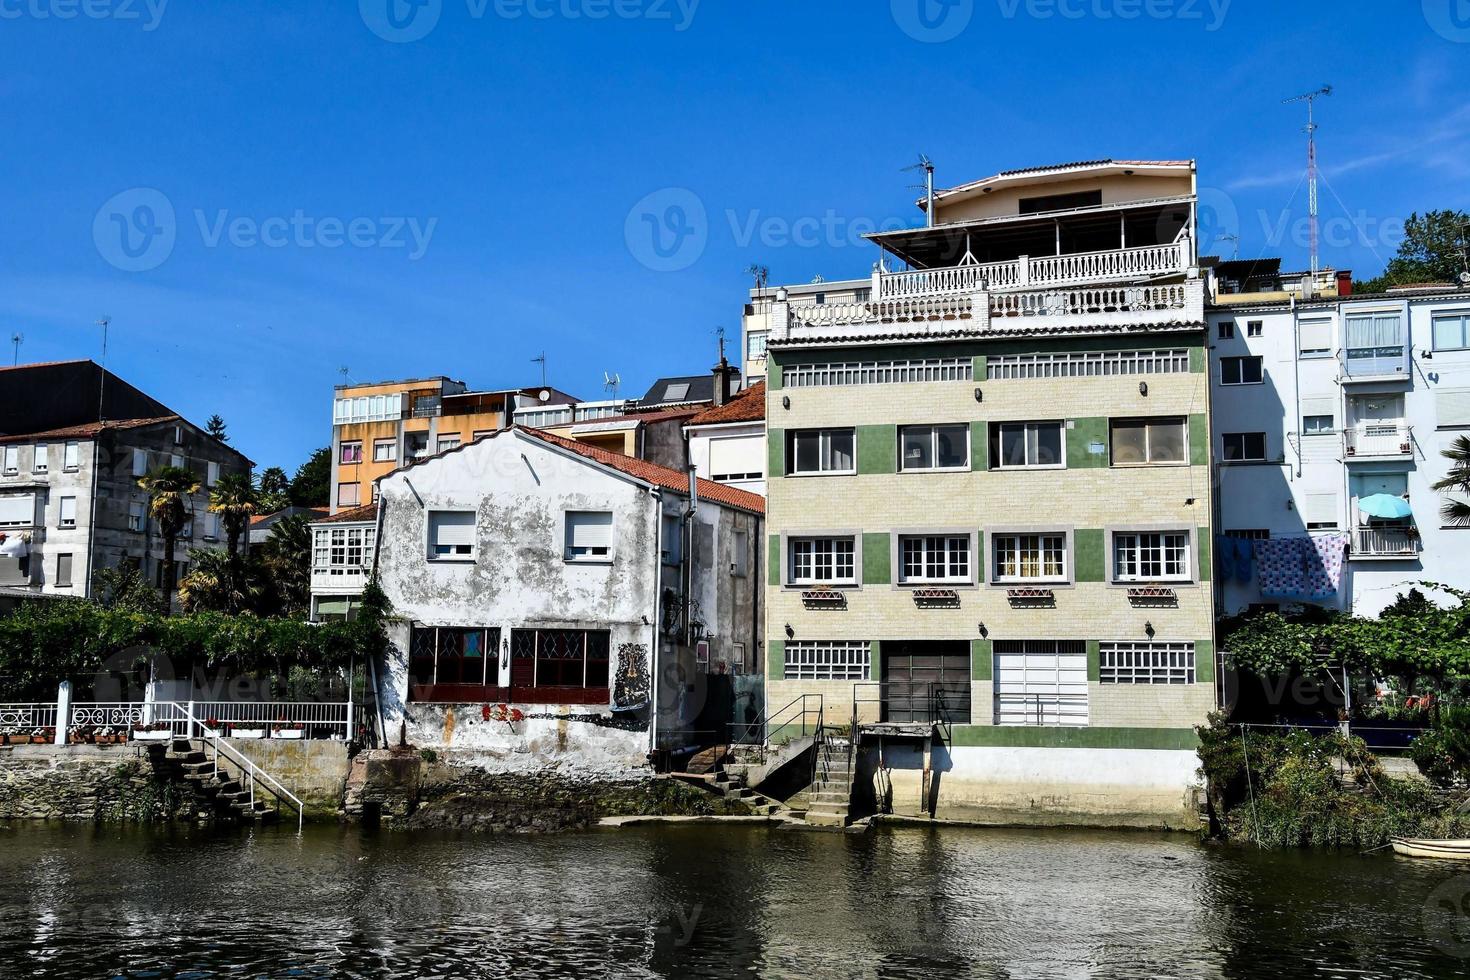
{"points": [[1385, 541], [76, 720], [1379, 439], [1118, 264], [24, 718], [251, 774]]}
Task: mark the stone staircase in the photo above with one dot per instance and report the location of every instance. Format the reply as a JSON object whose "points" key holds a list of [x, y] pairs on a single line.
{"points": [[731, 786], [831, 794], [220, 787]]}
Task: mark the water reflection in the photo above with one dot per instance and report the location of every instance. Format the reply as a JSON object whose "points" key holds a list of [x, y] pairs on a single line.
{"points": [[706, 902]]}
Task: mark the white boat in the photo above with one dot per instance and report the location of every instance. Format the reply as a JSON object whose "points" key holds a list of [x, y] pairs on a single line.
{"points": [[1447, 850]]}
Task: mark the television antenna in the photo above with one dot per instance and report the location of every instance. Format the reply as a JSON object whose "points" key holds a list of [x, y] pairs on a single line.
{"points": [[926, 165], [1234, 241], [611, 383], [1310, 98], [541, 361], [16, 340], [761, 275], [104, 323]]}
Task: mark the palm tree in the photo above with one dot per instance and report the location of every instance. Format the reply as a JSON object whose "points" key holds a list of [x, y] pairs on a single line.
{"points": [[220, 582], [234, 499], [1456, 512], [169, 489], [286, 556]]}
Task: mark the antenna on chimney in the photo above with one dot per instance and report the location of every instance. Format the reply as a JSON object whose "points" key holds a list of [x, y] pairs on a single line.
{"points": [[16, 340], [926, 165], [1310, 99]]}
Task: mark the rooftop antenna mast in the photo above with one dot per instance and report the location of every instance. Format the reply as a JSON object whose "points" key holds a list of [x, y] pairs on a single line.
{"points": [[926, 165], [541, 361], [1234, 241], [611, 383], [16, 340], [761, 275], [1310, 99], [104, 323]]}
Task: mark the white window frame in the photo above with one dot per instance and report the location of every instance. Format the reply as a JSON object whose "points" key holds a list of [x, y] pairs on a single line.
{"points": [[1138, 541], [827, 660], [1145, 662], [391, 445], [600, 555], [1315, 321], [824, 452], [1148, 442], [1255, 328], [445, 443], [940, 546], [356, 497], [431, 547], [11, 464], [211, 474], [1243, 458], [933, 433], [71, 457], [819, 550], [1016, 542], [342, 449], [1239, 363], [1331, 425], [1027, 427], [61, 519], [140, 462], [1461, 315], [40, 458], [137, 513]]}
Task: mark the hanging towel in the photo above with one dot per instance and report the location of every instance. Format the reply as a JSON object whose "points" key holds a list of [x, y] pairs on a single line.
{"points": [[1243, 559], [1324, 558], [1224, 556], [1280, 567]]}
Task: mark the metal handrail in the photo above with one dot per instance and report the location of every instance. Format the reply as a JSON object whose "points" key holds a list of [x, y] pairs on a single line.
{"points": [[764, 725], [255, 773]]}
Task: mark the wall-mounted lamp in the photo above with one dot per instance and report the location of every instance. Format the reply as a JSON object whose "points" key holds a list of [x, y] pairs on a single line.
{"points": [[1143, 388], [1290, 505], [789, 631], [1148, 629], [983, 630], [979, 395], [786, 402]]}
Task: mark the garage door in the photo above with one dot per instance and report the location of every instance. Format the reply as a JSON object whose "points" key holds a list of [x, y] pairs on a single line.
{"points": [[925, 681], [1040, 682]]}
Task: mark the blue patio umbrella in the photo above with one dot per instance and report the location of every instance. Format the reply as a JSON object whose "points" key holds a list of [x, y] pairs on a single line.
{"points": [[1384, 505]]}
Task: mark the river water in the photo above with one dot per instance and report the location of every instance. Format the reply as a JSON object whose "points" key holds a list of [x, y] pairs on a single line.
{"points": [[713, 901]]}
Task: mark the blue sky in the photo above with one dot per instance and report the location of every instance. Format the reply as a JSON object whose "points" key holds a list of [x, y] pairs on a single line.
{"points": [[261, 194]]}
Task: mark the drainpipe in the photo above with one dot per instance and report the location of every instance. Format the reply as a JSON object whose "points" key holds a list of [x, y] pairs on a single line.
{"points": [[689, 556], [654, 645], [92, 521]]}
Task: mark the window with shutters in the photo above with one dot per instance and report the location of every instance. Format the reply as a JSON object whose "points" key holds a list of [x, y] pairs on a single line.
{"points": [[211, 474], [18, 511], [737, 458], [1452, 406], [41, 458], [140, 462], [71, 458], [1314, 337], [11, 463], [348, 494], [589, 535], [68, 512], [63, 571], [135, 515], [451, 535], [1319, 511]]}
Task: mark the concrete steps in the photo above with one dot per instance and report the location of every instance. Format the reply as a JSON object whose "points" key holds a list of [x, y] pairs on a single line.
{"points": [[831, 793], [218, 785]]}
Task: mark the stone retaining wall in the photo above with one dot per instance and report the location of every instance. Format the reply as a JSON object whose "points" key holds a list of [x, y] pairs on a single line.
{"points": [[88, 782]]}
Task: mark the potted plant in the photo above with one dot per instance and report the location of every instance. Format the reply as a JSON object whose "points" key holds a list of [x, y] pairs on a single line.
{"points": [[43, 736], [213, 728], [247, 729], [80, 735], [289, 730], [8, 736], [155, 732]]}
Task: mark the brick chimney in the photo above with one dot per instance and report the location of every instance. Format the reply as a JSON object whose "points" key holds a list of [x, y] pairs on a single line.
{"points": [[724, 378]]}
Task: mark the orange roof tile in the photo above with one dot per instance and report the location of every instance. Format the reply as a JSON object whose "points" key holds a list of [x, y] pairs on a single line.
{"points": [[87, 430], [747, 406], [352, 515], [660, 476]]}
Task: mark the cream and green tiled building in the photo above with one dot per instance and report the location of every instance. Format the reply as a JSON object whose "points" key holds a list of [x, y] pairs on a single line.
{"points": [[989, 502]]}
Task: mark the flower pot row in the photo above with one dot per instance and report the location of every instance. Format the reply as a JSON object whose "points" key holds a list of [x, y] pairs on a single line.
{"points": [[36, 736]]}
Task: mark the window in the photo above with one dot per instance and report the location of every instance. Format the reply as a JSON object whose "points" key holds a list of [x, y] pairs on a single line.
{"points": [[1314, 337], [71, 457], [176, 461], [351, 453], [1241, 371], [1227, 329], [934, 447], [1249, 534], [1040, 682], [447, 443], [367, 408], [737, 458], [1452, 331], [1245, 447], [828, 660], [820, 451], [934, 558], [1253, 328], [68, 512], [416, 444], [1139, 442], [1150, 556], [822, 561], [211, 474], [451, 655], [1145, 663], [1317, 425], [1025, 444], [1029, 557], [40, 458], [1060, 202], [18, 511], [1319, 511], [348, 494], [740, 566], [839, 374], [1025, 367], [178, 435], [385, 451], [211, 527], [479, 434], [589, 535], [676, 392], [451, 535], [559, 658], [673, 539], [755, 346], [11, 462], [63, 571], [135, 515], [140, 462]]}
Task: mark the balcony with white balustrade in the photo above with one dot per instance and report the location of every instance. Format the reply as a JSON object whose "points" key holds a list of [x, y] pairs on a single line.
{"points": [[1377, 441]]}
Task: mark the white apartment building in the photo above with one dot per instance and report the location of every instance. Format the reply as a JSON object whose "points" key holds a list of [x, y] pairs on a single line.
{"points": [[1320, 403]]}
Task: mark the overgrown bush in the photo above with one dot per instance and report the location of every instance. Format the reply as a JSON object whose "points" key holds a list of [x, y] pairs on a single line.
{"points": [[1443, 752]]}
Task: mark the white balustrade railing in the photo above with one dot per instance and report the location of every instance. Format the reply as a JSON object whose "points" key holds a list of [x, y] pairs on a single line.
{"points": [[1379, 439], [1075, 302], [24, 718], [1382, 541], [118, 715], [1111, 265], [896, 310], [275, 719]]}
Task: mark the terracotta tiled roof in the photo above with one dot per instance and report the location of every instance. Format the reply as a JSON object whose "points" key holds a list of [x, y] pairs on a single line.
{"points": [[747, 406], [352, 515], [660, 476], [87, 431]]}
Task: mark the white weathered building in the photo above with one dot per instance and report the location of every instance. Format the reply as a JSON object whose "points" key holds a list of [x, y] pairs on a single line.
{"points": [[547, 594], [1320, 402]]}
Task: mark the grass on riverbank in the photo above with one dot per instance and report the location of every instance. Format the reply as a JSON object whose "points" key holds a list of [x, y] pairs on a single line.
{"points": [[1297, 789]]}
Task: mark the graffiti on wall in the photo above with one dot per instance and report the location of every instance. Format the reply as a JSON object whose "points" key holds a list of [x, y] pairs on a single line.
{"points": [[630, 686]]}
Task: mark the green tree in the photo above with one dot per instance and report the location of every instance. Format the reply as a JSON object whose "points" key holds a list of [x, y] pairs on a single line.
{"points": [[286, 559], [216, 427], [123, 588], [1456, 512], [1430, 251], [312, 484], [234, 499], [221, 582], [169, 489], [274, 489]]}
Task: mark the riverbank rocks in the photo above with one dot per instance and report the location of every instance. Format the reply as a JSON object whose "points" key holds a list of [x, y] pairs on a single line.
{"points": [[88, 783], [405, 789]]}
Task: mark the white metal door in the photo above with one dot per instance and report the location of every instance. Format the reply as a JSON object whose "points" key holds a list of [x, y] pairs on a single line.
{"points": [[1040, 682]]}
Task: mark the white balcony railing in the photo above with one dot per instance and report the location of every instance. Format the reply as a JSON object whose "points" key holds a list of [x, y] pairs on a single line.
{"points": [[1079, 302], [1383, 542], [1379, 439], [1113, 265]]}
